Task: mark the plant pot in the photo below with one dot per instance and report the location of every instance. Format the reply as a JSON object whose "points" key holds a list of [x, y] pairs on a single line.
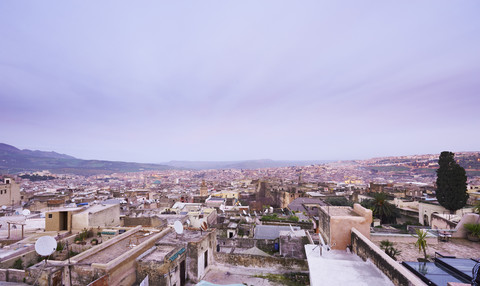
{"points": [[422, 260], [473, 237]]}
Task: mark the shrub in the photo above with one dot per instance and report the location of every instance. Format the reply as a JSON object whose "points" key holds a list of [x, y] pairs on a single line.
{"points": [[18, 264], [60, 246], [293, 218], [473, 228], [391, 251]]}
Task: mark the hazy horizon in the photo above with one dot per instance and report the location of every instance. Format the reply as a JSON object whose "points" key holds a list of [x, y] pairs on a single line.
{"points": [[225, 81]]}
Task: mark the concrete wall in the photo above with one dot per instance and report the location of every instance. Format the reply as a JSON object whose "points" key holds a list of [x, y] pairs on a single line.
{"points": [[340, 227], [144, 221], [53, 223], [107, 217], [366, 249], [263, 244], [12, 275], [247, 260], [426, 210], [27, 258], [161, 273], [196, 256], [293, 246], [402, 238], [9, 193], [439, 222]]}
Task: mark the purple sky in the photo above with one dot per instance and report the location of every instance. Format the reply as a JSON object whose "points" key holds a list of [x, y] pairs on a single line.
{"points": [[152, 81]]}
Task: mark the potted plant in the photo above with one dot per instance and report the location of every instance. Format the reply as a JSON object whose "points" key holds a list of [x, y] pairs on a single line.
{"points": [[473, 231], [422, 244]]}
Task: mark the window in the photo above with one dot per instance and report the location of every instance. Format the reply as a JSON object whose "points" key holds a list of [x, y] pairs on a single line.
{"points": [[49, 215]]}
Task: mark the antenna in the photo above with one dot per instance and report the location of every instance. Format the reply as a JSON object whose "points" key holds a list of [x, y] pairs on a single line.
{"points": [[178, 226], [26, 212], [45, 245]]}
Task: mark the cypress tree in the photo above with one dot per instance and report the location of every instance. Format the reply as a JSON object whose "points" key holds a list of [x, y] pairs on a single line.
{"points": [[451, 183]]}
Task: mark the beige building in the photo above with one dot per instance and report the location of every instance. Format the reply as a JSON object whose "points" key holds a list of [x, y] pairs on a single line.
{"points": [[76, 219], [97, 216], [60, 219], [427, 209], [336, 223], [9, 192]]}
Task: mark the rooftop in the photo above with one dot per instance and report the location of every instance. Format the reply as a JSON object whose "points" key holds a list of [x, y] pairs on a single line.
{"points": [[159, 253], [271, 231], [188, 235], [339, 211], [325, 269]]}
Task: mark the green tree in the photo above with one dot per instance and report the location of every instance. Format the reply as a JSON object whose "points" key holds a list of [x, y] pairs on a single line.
{"points": [[451, 183], [421, 241], [381, 208]]}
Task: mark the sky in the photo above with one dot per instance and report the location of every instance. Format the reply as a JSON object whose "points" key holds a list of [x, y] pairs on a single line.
{"points": [[153, 81]]}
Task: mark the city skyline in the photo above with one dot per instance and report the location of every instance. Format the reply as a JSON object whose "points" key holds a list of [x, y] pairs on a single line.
{"points": [[155, 82]]}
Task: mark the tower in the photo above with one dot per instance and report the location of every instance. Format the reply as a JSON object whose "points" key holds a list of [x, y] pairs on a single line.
{"points": [[203, 189]]}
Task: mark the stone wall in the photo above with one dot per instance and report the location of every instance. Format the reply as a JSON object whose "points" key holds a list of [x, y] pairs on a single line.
{"points": [[366, 249], [12, 275], [324, 224], [144, 221], [15, 275], [263, 244], [27, 258], [247, 260]]}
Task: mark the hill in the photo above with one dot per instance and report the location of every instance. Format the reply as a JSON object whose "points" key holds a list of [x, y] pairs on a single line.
{"points": [[14, 160]]}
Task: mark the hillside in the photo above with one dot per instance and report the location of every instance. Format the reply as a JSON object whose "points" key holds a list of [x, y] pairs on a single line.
{"points": [[14, 160]]}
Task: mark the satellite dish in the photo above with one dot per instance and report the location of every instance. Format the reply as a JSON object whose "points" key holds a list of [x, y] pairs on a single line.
{"points": [[4, 207], [255, 212], [178, 226], [188, 221], [244, 213], [26, 212], [248, 219], [45, 245]]}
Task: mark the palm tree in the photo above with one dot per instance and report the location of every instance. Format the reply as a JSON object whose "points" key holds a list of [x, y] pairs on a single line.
{"points": [[382, 209], [421, 241]]}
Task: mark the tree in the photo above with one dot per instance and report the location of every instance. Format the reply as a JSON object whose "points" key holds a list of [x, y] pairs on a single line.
{"points": [[381, 208], [451, 183], [421, 241]]}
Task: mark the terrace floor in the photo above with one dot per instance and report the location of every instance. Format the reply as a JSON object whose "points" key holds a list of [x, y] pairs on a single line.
{"points": [[115, 250], [461, 248]]}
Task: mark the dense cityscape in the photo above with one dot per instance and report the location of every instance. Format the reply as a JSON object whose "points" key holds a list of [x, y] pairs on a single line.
{"points": [[269, 226], [239, 143]]}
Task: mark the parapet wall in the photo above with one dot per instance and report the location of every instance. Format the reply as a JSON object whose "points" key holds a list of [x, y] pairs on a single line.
{"points": [[247, 260], [366, 249]]}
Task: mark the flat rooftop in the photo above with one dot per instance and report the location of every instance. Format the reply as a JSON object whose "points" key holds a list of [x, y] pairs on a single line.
{"points": [[113, 251], [339, 211], [187, 236], [158, 255], [336, 267]]}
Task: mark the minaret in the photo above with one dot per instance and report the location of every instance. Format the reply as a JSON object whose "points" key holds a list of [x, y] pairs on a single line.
{"points": [[203, 189]]}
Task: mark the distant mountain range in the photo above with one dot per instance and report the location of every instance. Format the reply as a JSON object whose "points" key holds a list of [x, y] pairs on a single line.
{"points": [[14, 160]]}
